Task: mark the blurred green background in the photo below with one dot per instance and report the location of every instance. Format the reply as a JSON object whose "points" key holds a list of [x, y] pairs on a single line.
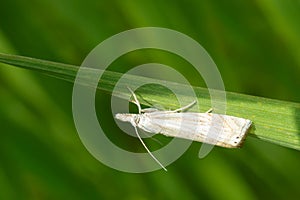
{"points": [[255, 44]]}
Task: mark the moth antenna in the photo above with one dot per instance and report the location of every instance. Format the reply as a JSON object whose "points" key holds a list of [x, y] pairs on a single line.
{"points": [[185, 107], [135, 100], [136, 131], [154, 139]]}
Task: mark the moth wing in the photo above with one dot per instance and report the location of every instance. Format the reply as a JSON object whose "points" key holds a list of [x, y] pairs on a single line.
{"points": [[222, 130]]}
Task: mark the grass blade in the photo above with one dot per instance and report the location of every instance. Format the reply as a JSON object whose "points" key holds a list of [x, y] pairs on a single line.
{"points": [[275, 121]]}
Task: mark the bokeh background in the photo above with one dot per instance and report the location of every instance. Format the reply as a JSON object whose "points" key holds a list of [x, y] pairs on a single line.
{"points": [[255, 44]]}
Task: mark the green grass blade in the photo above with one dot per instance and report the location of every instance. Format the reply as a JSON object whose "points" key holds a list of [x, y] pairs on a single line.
{"points": [[275, 121]]}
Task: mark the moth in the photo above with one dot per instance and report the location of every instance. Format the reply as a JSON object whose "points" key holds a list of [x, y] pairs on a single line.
{"points": [[216, 129]]}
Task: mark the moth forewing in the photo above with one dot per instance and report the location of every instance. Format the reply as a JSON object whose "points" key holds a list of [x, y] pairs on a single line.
{"points": [[222, 130]]}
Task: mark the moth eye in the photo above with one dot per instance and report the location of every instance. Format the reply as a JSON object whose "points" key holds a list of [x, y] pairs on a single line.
{"points": [[237, 137]]}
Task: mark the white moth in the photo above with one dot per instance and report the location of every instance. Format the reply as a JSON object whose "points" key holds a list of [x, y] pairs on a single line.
{"points": [[221, 130]]}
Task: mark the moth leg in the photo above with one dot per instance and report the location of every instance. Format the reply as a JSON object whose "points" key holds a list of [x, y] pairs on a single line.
{"points": [[185, 107], [136, 101], [210, 110]]}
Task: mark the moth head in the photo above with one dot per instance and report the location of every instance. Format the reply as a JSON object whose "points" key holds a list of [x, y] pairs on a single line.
{"points": [[125, 117]]}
